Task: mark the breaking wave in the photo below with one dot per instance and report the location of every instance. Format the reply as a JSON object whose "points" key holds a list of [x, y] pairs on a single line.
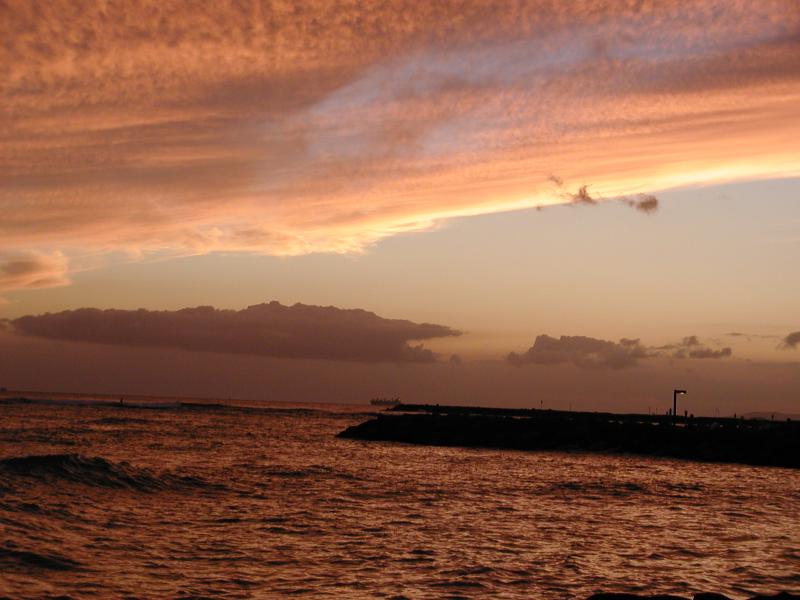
{"points": [[11, 558], [96, 472]]}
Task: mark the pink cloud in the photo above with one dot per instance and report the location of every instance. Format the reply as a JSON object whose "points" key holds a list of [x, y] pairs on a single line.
{"points": [[27, 270], [324, 129]]}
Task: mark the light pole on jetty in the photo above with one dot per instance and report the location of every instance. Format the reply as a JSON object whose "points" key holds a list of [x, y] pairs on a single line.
{"points": [[675, 394]]}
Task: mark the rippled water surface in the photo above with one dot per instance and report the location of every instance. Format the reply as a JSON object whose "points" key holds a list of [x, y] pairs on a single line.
{"points": [[265, 502]]}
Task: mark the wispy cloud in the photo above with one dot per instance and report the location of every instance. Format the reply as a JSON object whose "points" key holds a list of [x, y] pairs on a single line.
{"points": [[324, 127], [646, 203], [750, 336], [28, 270], [691, 347]]}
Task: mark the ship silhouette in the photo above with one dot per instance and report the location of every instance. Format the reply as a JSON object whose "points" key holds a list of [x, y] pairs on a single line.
{"points": [[385, 401]]}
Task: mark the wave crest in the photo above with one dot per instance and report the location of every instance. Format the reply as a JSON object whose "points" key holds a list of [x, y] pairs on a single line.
{"points": [[94, 471], [11, 558]]}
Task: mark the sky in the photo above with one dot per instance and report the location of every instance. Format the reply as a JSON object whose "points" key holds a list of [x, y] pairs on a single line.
{"points": [[573, 204]]}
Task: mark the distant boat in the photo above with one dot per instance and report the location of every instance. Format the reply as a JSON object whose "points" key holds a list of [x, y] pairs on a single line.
{"points": [[385, 401]]}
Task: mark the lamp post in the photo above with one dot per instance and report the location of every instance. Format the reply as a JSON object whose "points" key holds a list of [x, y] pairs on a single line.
{"points": [[675, 394]]}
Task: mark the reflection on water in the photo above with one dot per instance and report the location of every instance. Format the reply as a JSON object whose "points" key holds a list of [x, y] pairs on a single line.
{"points": [[261, 502]]}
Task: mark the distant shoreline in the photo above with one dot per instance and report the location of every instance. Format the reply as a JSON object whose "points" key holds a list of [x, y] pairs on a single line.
{"points": [[9, 396], [727, 440], [112, 397], [155, 403]]}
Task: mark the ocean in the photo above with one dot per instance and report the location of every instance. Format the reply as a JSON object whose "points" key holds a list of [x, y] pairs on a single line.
{"points": [[262, 500]]}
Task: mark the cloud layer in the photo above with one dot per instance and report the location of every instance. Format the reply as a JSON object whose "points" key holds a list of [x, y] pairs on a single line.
{"points": [[158, 127], [588, 352], [298, 331]]}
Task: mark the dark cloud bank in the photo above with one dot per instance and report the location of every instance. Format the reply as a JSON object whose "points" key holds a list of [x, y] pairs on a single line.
{"points": [[298, 331], [792, 340], [582, 351], [588, 352], [690, 347]]}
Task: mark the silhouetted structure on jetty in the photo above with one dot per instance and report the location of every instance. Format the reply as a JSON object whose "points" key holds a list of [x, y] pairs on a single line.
{"points": [[755, 442], [675, 394], [385, 401]]}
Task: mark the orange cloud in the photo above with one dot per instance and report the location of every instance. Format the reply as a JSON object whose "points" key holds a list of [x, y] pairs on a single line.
{"points": [[32, 270], [161, 128]]}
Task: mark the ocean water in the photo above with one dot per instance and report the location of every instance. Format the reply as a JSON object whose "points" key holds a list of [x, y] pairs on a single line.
{"points": [[263, 501]]}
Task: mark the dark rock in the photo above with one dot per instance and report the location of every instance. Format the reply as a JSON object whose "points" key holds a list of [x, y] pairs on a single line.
{"points": [[706, 439], [700, 596], [623, 596]]}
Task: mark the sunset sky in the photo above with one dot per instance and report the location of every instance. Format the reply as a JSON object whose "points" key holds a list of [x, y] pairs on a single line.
{"points": [[576, 204]]}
